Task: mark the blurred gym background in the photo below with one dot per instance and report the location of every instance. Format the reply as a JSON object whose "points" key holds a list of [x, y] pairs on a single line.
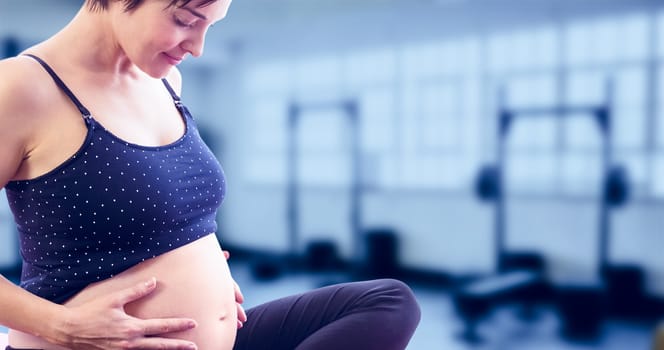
{"points": [[505, 158]]}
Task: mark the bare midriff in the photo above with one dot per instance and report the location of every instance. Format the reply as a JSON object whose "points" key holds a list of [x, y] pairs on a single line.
{"points": [[193, 281]]}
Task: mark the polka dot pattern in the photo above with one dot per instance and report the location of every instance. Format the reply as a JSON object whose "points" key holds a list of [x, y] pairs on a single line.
{"points": [[112, 205]]}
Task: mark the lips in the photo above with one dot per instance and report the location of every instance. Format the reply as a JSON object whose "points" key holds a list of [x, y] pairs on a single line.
{"points": [[172, 59]]}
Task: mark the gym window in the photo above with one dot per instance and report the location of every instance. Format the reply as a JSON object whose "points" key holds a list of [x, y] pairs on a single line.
{"points": [[429, 110]]}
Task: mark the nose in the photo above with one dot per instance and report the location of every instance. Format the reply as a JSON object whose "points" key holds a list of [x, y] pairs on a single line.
{"points": [[194, 45]]}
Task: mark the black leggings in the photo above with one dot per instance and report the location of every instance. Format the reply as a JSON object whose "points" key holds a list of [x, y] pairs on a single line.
{"points": [[378, 314]]}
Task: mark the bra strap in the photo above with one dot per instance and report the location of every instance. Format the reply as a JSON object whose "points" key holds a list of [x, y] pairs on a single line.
{"points": [[84, 111], [176, 99], [175, 96]]}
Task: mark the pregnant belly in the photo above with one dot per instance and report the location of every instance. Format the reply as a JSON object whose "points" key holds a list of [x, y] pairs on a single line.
{"points": [[193, 281]]}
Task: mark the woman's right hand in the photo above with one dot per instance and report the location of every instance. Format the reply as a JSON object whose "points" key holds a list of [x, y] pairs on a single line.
{"points": [[104, 324]]}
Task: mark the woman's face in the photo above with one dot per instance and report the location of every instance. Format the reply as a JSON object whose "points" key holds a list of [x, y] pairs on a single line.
{"points": [[156, 37]]}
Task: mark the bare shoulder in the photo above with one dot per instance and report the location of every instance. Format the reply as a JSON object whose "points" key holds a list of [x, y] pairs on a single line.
{"points": [[23, 101], [22, 89], [174, 78]]}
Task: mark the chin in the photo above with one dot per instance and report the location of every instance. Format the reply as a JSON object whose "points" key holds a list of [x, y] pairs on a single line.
{"points": [[158, 72], [163, 74]]}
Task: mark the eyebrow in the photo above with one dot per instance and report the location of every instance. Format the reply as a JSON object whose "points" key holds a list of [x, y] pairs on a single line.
{"points": [[195, 13]]}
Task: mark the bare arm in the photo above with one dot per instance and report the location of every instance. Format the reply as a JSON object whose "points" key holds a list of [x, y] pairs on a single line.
{"points": [[99, 324], [20, 309], [24, 311]]}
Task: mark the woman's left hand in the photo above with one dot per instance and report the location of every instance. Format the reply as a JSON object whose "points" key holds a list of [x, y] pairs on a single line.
{"points": [[239, 299]]}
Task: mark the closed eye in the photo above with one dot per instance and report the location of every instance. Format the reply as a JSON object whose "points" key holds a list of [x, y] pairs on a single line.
{"points": [[181, 23]]}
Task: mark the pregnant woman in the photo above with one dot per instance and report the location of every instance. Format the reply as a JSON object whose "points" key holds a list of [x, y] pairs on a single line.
{"points": [[115, 198]]}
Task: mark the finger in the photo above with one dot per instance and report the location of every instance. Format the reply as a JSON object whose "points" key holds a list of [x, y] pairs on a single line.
{"points": [[158, 343], [241, 314], [138, 291], [227, 254], [238, 293], [161, 326]]}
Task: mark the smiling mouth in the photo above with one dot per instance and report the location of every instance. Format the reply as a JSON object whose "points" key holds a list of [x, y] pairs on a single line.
{"points": [[173, 60]]}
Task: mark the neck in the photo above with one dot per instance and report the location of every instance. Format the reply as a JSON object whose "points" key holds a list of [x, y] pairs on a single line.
{"points": [[91, 44]]}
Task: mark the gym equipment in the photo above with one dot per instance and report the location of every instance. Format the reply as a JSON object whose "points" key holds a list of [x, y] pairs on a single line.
{"points": [[295, 114], [487, 184], [266, 266], [10, 47], [474, 300], [616, 188], [522, 281], [626, 295], [582, 309], [322, 255], [295, 258], [381, 253]]}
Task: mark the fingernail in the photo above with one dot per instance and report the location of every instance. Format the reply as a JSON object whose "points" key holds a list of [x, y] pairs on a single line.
{"points": [[149, 283], [191, 346], [191, 324]]}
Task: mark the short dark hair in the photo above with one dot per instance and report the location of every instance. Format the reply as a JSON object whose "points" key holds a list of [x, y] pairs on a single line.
{"points": [[99, 5]]}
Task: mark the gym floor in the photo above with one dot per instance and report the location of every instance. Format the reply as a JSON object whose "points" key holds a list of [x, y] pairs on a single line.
{"points": [[439, 327]]}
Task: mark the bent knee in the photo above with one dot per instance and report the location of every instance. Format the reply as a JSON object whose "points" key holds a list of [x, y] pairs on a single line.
{"points": [[401, 300]]}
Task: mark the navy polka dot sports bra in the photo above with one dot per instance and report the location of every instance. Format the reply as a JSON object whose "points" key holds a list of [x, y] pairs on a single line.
{"points": [[112, 205]]}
